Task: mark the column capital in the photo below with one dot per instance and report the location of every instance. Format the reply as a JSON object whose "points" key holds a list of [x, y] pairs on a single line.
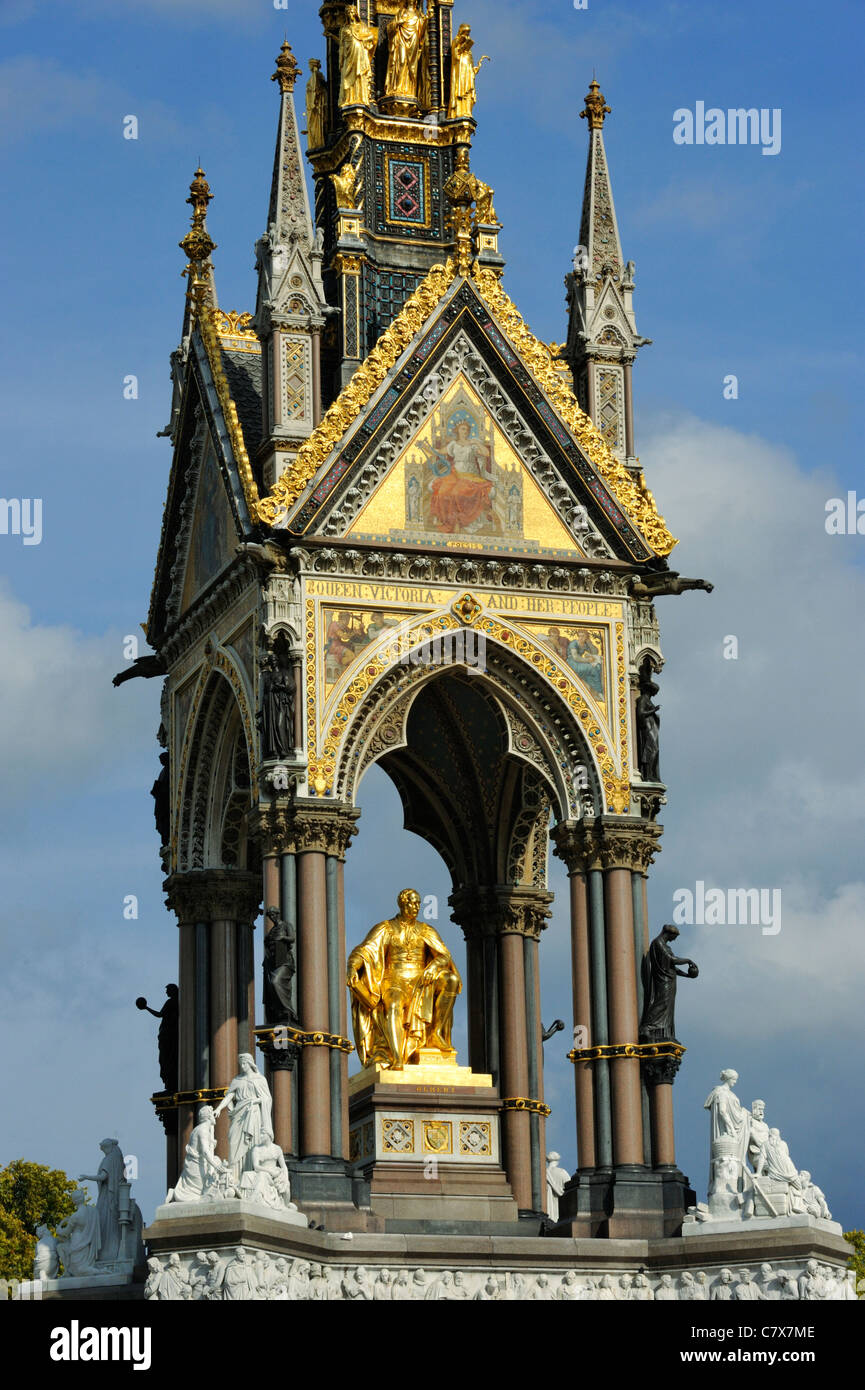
{"points": [[606, 844], [297, 827], [271, 826], [326, 830], [214, 895], [502, 910]]}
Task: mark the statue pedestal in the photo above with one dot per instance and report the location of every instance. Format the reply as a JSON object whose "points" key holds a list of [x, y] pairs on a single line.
{"points": [[427, 1140]]}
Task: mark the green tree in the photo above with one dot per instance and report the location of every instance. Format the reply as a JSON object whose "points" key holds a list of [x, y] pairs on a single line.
{"points": [[16, 1249], [31, 1195], [857, 1259]]}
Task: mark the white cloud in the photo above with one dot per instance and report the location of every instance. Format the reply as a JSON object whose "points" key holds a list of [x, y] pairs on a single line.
{"points": [[61, 721]]}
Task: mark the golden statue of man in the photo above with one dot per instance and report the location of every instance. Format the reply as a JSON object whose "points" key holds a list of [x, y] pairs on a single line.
{"points": [[406, 33], [403, 985], [357, 43], [316, 106], [463, 74]]}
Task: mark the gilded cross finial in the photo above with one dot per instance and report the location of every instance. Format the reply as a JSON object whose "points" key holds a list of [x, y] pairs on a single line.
{"points": [[595, 110], [287, 68], [197, 243]]}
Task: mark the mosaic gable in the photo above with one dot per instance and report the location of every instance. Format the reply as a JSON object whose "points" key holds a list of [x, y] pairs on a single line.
{"points": [[460, 483]]}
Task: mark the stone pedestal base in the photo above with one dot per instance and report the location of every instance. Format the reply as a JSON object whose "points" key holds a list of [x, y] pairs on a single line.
{"points": [[184, 1212], [625, 1203], [757, 1226], [426, 1141]]}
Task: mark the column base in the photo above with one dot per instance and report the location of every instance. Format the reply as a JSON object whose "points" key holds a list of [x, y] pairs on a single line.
{"points": [[624, 1203]]}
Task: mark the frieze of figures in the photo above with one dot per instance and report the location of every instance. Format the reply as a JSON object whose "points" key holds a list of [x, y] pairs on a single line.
{"points": [[243, 1273]]}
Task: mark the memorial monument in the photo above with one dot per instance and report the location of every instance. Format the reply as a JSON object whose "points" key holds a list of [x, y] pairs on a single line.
{"points": [[378, 474]]}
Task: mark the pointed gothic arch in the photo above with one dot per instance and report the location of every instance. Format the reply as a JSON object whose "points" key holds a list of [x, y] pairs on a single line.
{"points": [[216, 779]]}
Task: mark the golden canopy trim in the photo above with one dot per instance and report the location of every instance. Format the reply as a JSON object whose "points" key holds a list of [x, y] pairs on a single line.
{"points": [[633, 496], [356, 393], [209, 322]]}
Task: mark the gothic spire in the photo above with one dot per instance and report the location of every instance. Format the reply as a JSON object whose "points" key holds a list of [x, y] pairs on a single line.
{"points": [[288, 216], [198, 247], [602, 333], [290, 306]]}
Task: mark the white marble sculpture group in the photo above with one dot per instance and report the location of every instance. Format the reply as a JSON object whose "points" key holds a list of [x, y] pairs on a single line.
{"points": [[557, 1179], [244, 1274], [104, 1239], [772, 1186], [255, 1169]]}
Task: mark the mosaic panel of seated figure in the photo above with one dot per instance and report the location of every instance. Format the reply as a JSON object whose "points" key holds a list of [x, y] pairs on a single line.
{"points": [[350, 631], [582, 649], [454, 484]]}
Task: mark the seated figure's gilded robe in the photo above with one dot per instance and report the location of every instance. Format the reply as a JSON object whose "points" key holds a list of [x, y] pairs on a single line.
{"points": [[413, 955]]}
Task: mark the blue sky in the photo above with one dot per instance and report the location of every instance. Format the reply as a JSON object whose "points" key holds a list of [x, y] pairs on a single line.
{"points": [[745, 264]]}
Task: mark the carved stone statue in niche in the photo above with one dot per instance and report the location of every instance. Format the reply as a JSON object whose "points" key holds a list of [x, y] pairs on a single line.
{"points": [[161, 791], [276, 716], [648, 724]]}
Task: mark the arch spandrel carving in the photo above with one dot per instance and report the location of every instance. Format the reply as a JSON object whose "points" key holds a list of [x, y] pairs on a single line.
{"points": [[385, 667]]}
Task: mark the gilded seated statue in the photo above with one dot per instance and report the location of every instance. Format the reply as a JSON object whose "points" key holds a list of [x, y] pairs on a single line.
{"points": [[403, 985]]}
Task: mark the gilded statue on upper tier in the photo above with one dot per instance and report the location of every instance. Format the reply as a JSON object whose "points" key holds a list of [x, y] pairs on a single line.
{"points": [[463, 74], [357, 43], [403, 985], [316, 106], [406, 34]]}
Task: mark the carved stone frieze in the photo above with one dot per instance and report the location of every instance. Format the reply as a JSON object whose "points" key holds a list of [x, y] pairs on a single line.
{"points": [[251, 1273], [578, 579]]}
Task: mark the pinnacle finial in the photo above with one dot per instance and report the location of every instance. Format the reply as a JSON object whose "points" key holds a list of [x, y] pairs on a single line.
{"points": [[198, 244], [595, 110], [287, 68]]}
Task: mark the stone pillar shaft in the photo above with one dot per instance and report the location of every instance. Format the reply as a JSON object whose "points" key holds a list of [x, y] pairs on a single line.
{"points": [[623, 1018], [535, 1070], [223, 1012], [663, 1136], [600, 1036], [313, 1001], [582, 991], [516, 1132]]}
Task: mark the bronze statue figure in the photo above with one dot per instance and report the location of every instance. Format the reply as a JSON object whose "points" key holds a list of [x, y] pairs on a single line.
{"points": [[659, 973], [279, 970], [168, 1038]]}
